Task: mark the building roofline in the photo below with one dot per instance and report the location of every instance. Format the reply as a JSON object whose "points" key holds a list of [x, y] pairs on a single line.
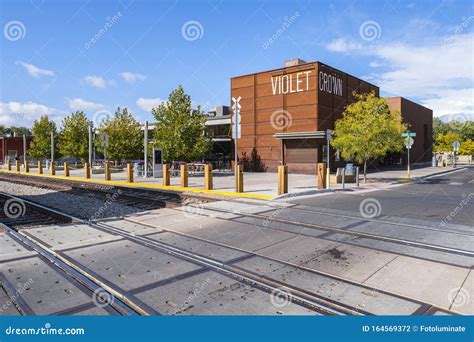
{"points": [[303, 65], [406, 99]]}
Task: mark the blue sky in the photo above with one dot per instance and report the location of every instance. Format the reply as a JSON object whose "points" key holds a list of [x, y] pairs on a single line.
{"points": [[62, 56]]}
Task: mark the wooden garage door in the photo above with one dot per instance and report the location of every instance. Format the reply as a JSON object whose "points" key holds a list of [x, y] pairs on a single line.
{"points": [[301, 151]]}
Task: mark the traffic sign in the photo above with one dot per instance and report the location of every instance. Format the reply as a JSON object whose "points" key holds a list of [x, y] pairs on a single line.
{"points": [[456, 145], [236, 128], [105, 139], [409, 142], [328, 134]]}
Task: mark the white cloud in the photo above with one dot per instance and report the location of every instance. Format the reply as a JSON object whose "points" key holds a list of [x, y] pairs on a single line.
{"points": [[438, 74], [342, 45], [98, 81], [375, 64], [456, 102], [132, 77], [24, 114], [148, 104], [80, 104], [34, 70]]}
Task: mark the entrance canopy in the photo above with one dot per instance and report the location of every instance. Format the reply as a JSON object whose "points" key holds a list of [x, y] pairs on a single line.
{"points": [[301, 135]]}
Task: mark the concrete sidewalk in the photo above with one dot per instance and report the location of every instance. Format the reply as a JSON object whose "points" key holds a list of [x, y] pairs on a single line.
{"points": [[263, 185]]}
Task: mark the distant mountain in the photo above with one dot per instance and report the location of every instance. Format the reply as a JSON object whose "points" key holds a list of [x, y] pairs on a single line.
{"points": [[457, 117]]}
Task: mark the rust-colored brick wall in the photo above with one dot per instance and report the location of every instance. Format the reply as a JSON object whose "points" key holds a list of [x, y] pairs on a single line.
{"points": [[14, 144], [288, 100], [420, 121]]}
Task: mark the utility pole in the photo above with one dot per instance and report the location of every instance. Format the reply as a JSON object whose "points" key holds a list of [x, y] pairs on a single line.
{"points": [[145, 148], [24, 149], [90, 144], [52, 147]]}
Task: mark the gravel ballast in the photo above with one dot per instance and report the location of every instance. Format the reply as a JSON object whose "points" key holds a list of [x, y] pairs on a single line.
{"points": [[81, 206]]}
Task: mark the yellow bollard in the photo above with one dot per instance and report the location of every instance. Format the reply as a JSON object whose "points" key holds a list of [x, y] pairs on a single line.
{"points": [[9, 165], [66, 169], [321, 176], [27, 166], [208, 177], [129, 173], [87, 170], [107, 171], [184, 175], [52, 169], [17, 165], [282, 179], [239, 181], [166, 175], [40, 167]]}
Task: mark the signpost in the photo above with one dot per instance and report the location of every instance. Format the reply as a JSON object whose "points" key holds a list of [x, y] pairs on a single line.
{"points": [[409, 141], [90, 144], [456, 145], [236, 131], [105, 138], [328, 173], [145, 148], [52, 147]]}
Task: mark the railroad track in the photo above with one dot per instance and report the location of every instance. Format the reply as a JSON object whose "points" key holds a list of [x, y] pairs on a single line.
{"points": [[265, 218], [309, 300], [305, 298]]}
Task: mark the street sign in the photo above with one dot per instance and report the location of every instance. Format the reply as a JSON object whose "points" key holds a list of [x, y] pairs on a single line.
{"points": [[456, 145], [409, 134]]}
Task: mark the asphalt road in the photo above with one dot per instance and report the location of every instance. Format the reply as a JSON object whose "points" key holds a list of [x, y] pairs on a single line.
{"points": [[431, 199]]}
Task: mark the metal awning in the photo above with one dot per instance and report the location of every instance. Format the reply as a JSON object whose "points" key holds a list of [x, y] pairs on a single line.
{"points": [[301, 135]]}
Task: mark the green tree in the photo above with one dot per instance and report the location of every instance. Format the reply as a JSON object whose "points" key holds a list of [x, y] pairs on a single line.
{"points": [[180, 130], [40, 147], [125, 137], [444, 142], [74, 136], [467, 148], [368, 130], [19, 131]]}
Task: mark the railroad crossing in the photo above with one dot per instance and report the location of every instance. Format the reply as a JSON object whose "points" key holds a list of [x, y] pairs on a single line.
{"points": [[84, 248]]}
